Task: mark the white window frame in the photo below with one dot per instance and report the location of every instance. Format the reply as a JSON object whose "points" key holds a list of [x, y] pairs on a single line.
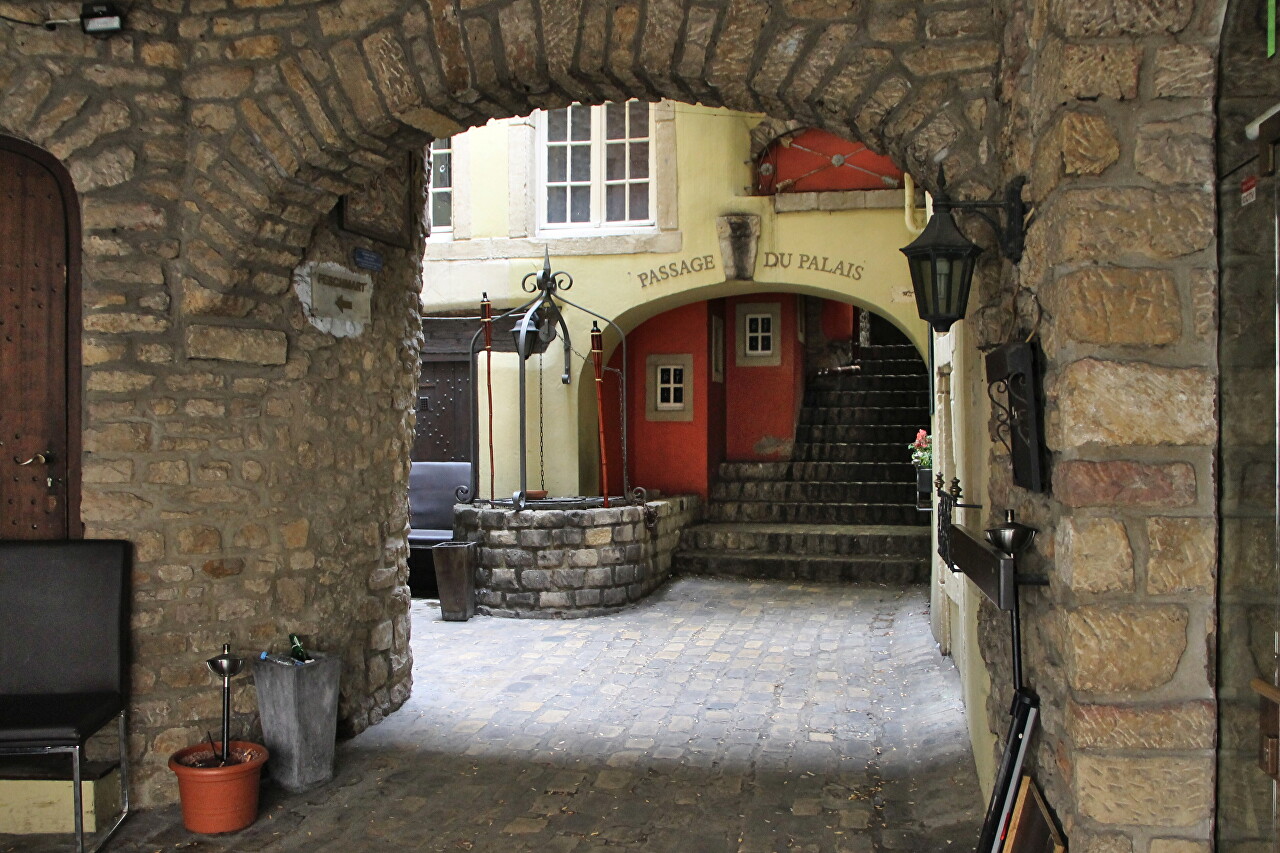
{"points": [[665, 378], [743, 358], [443, 232], [598, 146], [752, 340], [657, 411]]}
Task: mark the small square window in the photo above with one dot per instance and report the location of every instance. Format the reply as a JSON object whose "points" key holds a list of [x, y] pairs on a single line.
{"points": [[759, 336], [670, 387]]}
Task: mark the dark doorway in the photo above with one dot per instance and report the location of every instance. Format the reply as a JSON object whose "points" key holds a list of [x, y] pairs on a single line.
{"points": [[39, 346], [443, 433]]}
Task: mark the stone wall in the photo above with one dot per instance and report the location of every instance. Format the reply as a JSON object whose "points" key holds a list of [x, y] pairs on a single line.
{"points": [[1110, 116], [258, 465], [567, 564], [262, 479]]}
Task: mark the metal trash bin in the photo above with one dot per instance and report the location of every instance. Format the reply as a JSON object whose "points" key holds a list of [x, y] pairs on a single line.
{"points": [[455, 564], [298, 704]]}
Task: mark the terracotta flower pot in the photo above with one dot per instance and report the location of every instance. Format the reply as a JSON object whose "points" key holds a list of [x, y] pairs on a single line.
{"points": [[219, 799]]}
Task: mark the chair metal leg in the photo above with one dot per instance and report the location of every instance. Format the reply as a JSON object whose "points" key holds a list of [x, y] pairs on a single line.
{"points": [[76, 797], [124, 783]]}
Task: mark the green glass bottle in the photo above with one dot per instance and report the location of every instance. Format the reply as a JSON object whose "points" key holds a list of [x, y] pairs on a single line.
{"points": [[296, 651]]}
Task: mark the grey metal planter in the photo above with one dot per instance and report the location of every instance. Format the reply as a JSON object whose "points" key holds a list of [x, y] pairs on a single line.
{"points": [[924, 488], [456, 579], [298, 704]]}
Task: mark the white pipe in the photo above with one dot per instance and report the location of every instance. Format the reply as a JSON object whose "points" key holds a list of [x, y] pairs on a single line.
{"points": [[1253, 128], [909, 205]]}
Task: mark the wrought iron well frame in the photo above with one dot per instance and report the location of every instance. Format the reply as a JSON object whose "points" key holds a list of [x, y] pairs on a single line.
{"points": [[539, 318]]}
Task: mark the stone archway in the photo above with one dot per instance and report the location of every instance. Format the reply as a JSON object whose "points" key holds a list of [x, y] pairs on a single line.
{"points": [[284, 132], [297, 128]]}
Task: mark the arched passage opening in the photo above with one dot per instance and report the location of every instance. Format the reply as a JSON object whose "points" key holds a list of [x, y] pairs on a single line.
{"points": [[734, 402]]}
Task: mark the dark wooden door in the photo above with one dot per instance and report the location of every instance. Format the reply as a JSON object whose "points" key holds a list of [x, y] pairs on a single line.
{"points": [[38, 220], [443, 433]]}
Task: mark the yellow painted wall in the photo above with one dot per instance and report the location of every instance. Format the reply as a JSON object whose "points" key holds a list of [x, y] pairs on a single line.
{"points": [[623, 287]]}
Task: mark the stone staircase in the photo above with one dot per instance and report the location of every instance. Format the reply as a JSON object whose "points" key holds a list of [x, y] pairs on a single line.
{"points": [[844, 508]]}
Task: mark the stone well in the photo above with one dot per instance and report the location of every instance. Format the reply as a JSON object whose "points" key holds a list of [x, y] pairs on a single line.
{"points": [[566, 564]]}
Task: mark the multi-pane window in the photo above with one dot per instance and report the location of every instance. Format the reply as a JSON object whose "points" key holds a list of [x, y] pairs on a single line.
{"points": [[442, 185], [670, 387], [597, 167], [759, 334]]}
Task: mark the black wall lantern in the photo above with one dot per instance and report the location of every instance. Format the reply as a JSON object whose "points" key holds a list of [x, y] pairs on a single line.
{"points": [[942, 259], [101, 19]]}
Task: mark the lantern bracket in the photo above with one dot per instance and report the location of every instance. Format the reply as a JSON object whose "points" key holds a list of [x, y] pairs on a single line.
{"points": [[1012, 234]]}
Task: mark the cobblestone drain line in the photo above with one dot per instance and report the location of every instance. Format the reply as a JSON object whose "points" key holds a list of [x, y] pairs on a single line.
{"points": [[719, 715]]}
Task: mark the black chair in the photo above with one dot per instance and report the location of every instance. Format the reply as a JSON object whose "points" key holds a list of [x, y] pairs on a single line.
{"points": [[64, 654], [433, 490]]}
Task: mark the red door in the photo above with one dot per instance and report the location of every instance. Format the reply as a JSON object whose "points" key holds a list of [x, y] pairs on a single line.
{"points": [[39, 334]]}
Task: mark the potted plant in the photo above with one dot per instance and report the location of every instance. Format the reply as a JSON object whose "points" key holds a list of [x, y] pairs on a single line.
{"points": [[922, 457], [218, 782]]}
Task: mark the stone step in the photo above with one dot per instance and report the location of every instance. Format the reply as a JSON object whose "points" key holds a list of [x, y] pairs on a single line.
{"points": [[894, 570], [882, 366], [906, 398], [841, 472], [894, 451], [815, 513], [853, 472], [815, 491], [751, 471], [869, 415], [901, 433], [875, 352], [814, 540], [852, 382]]}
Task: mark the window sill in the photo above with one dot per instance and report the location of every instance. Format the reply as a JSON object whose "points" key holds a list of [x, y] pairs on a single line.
{"points": [[483, 248]]}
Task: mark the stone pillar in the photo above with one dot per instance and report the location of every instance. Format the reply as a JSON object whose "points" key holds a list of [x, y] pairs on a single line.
{"points": [[1119, 135]]}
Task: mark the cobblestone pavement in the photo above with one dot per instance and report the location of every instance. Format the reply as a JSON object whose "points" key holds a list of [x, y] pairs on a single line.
{"points": [[717, 716]]}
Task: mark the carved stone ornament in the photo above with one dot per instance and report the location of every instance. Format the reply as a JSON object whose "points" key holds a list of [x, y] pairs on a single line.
{"points": [[739, 234]]}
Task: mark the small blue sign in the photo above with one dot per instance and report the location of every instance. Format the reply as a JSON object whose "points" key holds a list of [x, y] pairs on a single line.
{"points": [[367, 259]]}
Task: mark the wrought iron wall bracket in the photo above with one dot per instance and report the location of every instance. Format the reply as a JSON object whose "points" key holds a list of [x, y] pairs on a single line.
{"points": [[1012, 373], [1011, 233], [948, 502]]}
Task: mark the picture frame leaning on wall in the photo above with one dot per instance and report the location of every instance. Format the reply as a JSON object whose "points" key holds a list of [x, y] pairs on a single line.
{"points": [[384, 211]]}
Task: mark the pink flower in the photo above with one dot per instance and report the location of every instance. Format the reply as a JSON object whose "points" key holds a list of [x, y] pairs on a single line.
{"points": [[922, 439]]}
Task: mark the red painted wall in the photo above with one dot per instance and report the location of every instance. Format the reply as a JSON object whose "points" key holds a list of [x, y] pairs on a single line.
{"points": [[716, 395], [751, 416], [837, 320], [762, 404], [671, 455], [804, 164]]}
